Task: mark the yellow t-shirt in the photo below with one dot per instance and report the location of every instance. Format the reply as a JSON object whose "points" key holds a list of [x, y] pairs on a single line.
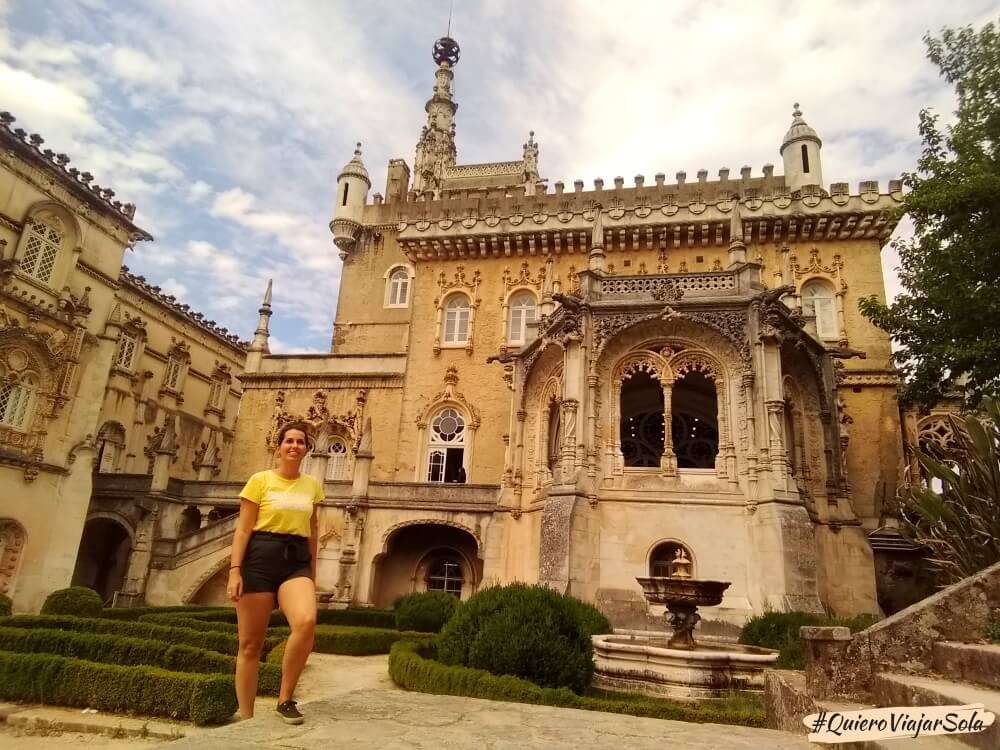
{"points": [[286, 505]]}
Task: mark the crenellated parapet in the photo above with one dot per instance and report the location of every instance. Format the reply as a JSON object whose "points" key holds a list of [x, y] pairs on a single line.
{"points": [[656, 217]]}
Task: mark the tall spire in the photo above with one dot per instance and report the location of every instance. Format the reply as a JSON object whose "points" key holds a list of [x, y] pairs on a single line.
{"points": [[436, 147], [596, 259], [261, 335]]}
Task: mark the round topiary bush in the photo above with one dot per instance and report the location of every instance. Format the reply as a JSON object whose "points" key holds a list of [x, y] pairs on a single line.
{"points": [[76, 600], [526, 631], [6, 606], [426, 612]]}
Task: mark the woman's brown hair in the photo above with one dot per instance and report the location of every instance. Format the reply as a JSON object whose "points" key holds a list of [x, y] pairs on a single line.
{"points": [[302, 427]]}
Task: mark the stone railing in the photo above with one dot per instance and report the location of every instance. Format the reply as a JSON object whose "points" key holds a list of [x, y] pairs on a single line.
{"points": [[669, 286], [124, 483]]}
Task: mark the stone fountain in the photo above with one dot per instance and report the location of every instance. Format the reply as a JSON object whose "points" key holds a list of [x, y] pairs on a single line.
{"points": [[678, 666]]}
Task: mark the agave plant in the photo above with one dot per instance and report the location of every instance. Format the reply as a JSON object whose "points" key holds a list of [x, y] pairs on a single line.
{"points": [[957, 517]]}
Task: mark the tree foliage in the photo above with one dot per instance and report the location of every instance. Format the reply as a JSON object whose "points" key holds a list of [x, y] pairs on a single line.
{"points": [[947, 320], [955, 512]]}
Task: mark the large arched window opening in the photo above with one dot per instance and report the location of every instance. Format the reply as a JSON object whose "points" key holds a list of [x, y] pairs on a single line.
{"points": [[444, 573], [818, 306], [446, 447], [397, 293], [455, 324], [641, 425], [102, 559], [664, 556], [695, 421], [521, 310], [41, 248]]}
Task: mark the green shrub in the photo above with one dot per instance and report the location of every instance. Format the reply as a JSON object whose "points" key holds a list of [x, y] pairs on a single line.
{"points": [[525, 631], [412, 667], [224, 643], [125, 651], [76, 600], [61, 681], [780, 631], [6, 606], [426, 612], [993, 630]]}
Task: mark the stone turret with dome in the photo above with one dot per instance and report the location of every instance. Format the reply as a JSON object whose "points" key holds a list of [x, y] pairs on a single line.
{"points": [[353, 184], [800, 153]]}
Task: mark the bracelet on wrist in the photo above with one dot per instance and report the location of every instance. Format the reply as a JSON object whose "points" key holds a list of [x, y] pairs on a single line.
{"points": [[235, 567]]}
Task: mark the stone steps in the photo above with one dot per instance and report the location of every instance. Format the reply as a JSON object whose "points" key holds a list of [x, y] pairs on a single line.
{"points": [[967, 662], [889, 689]]}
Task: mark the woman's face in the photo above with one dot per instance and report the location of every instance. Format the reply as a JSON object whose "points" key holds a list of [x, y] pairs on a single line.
{"points": [[294, 446]]}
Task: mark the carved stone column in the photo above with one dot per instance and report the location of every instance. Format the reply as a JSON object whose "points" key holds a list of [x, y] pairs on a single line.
{"points": [[751, 447], [593, 416], [567, 453], [354, 520], [133, 591], [668, 461], [725, 461], [775, 428]]}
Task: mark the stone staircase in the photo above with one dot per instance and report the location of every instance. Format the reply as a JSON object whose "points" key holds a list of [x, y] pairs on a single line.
{"points": [[930, 654]]}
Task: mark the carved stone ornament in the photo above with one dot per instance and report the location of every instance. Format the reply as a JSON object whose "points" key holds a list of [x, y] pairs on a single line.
{"points": [[449, 394], [323, 423]]}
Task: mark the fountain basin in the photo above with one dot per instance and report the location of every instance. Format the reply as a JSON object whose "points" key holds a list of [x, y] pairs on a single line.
{"points": [[642, 662]]}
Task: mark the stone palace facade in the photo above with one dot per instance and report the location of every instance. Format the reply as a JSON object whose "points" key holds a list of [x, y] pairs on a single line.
{"points": [[526, 382]]}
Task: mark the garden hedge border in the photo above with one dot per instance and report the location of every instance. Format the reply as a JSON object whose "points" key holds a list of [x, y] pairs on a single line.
{"points": [[224, 643], [127, 651], [62, 681], [360, 617], [412, 667], [352, 641], [135, 613]]}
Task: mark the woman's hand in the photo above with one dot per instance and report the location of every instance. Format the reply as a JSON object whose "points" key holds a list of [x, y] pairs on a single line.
{"points": [[234, 589]]}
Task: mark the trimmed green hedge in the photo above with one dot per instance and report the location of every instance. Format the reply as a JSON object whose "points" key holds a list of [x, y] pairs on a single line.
{"points": [[412, 666], [360, 617], [224, 643], [351, 641], [134, 613], [780, 631], [425, 612], [61, 681], [125, 651], [6, 606], [993, 630], [76, 600]]}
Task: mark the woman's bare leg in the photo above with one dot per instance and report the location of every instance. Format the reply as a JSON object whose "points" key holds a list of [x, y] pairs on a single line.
{"points": [[252, 614], [297, 599]]}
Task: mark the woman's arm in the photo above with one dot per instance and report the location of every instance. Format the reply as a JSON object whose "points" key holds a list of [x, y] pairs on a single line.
{"points": [[314, 539], [241, 537]]}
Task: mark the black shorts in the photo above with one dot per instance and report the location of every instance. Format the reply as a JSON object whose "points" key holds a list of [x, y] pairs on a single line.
{"points": [[271, 559]]}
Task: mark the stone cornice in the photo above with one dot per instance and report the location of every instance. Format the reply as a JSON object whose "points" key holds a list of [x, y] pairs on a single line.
{"points": [[96, 274], [28, 148], [850, 377], [153, 293], [305, 381]]}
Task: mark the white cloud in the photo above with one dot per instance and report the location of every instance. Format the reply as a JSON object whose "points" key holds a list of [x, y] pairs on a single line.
{"points": [[238, 205], [174, 287], [197, 190], [136, 67]]}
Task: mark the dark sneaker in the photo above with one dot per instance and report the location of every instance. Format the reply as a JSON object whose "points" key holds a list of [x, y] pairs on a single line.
{"points": [[289, 713]]}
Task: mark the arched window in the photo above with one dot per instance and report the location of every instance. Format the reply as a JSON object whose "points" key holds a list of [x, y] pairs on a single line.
{"points": [[336, 466], [662, 561], [817, 303], [110, 447], [446, 447], [397, 293], [445, 574], [17, 401], [641, 428], [456, 320], [695, 421], [520, 314], [41, 248]]}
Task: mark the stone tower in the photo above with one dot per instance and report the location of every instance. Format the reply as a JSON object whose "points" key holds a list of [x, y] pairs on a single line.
{"points": [[800, 152]]}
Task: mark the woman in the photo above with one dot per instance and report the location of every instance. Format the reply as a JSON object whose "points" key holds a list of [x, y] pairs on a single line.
{"points": [[274, 559]]}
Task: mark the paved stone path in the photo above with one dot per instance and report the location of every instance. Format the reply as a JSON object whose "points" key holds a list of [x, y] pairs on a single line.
{"points": [[350, 702]]}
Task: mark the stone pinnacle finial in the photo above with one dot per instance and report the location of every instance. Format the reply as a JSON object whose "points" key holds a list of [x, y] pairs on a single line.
{"points": [[796, 112], [267, 293], [357, 149]]}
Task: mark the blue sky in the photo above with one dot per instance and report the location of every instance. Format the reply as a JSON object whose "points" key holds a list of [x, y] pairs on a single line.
{"points": [[226, 122]]}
